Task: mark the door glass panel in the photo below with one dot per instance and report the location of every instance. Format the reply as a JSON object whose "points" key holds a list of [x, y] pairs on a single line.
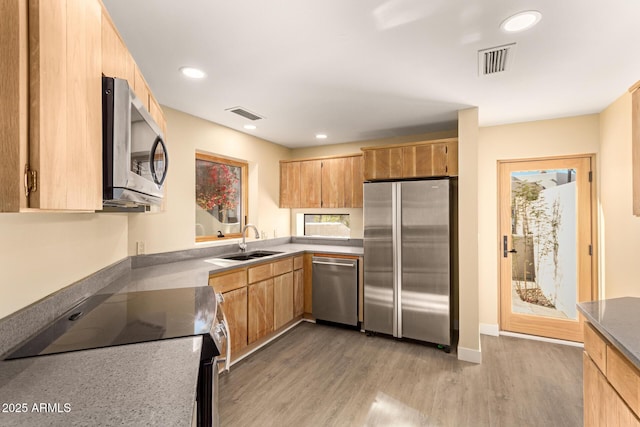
{"points": [[544, 237]]}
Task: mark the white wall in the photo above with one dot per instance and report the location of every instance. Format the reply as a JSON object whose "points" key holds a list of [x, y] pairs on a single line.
{"points": [[620, 230], [558, 137], [174, 229], [558, 281], [41, 253]]}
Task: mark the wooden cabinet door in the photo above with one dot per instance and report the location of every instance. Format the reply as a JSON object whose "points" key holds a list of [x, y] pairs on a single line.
{"points": [[140, 88], [116, 59], [383, 163], [617, 412], [594, 390], [290, 184], [308, 279], [235, 309], [357, 179], [452, 158], [14, 103], [311, 184], [260, 310], [333, 182], [157, 114], [426, 160], [66, 104], [298, 292], [282, 299]]}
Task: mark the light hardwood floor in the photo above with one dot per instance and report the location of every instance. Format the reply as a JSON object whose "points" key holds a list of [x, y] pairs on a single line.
{"points": [[317, 375]]}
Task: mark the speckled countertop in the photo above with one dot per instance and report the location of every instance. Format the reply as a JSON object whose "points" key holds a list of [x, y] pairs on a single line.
{"points": [[141, 384], [618, 319], [195, 272]]}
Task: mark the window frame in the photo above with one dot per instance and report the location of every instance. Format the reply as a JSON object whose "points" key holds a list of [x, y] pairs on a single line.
{"points": [[244, 189]]}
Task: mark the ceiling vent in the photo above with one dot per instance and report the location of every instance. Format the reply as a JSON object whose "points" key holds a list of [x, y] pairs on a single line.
{"points": [[244, 113], [495, 60]]}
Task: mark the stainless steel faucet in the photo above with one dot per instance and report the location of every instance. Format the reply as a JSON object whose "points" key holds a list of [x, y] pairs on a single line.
{"points": [[243, 245]]}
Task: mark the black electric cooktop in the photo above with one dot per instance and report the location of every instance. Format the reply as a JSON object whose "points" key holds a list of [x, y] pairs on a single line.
{"points": [[126, 318]]}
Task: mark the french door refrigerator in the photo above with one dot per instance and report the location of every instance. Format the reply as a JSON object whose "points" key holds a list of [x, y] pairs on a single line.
{"points": [[407, 285]]}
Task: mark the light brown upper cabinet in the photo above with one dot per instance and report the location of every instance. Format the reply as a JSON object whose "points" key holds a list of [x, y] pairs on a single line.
{"points": [[53, 56], [310, 184], [52, 63], [414, 160], [328, 182], [118, 62], [289, 184], [382, 163], [116, 59]]}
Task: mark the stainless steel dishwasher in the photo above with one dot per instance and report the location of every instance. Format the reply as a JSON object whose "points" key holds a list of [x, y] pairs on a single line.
{"points": [[335, 290]]}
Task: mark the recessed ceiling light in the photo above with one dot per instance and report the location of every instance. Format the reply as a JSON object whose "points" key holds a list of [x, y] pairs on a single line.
{"points": [[521, 21], [192, 73], [249, 127], [321, 136]]}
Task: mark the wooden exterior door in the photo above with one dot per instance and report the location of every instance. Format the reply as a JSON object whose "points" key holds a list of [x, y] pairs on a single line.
{"points": [[547, 254]]}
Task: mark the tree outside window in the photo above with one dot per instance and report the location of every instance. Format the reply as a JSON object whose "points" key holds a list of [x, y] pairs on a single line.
{"points": [[221, 194]]}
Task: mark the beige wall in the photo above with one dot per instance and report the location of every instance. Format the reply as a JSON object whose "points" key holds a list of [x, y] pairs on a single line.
{"points": [[174, 229], [619, 229], [469, 337], [41, 253], [574, 135]]}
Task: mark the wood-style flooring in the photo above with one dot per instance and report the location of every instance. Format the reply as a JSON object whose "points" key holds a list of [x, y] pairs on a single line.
{"points": [[318, 375]]}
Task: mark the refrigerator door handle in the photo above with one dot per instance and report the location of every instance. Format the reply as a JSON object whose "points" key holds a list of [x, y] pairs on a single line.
{"points": [[397, 260]]}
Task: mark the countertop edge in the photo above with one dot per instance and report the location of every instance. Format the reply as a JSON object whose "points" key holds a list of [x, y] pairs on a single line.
{"points": [[610, 336]]}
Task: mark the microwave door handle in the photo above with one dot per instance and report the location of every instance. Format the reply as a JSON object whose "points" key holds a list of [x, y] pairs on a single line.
{"points": [[152, 164]]}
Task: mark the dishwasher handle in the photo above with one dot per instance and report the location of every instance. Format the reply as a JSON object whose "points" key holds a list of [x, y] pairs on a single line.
{"points": [[339, 264]]}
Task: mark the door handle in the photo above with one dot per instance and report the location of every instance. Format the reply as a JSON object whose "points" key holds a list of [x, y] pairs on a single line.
{"points": [[505, 251]]}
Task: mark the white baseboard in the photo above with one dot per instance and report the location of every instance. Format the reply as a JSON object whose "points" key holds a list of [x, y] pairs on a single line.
{"points": [[234, 361], [544, 339], [489, 329], [469, 355]]}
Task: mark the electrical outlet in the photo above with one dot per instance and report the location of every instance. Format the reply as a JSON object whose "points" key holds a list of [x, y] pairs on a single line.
{"points": [[140, 248]]}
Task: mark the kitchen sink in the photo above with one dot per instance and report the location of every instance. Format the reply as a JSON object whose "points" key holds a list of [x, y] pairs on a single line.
{"points": [[250, 255]]}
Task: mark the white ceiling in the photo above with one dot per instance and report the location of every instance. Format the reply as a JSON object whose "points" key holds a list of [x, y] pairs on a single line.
{"points": [[366, 69]]}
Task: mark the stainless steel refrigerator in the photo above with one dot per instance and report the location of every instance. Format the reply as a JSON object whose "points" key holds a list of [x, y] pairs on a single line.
{"points": [[407, 253]]}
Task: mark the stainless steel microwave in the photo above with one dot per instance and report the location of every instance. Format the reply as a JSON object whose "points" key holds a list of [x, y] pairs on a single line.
{"points": [[134, 153]]}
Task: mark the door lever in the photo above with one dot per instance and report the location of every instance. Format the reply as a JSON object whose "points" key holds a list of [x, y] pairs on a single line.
{"points": [[505, 251]]}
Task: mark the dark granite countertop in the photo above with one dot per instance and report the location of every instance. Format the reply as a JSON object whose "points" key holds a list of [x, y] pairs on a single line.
{"points": [[618, 319], [175, 272], [141, 384]]}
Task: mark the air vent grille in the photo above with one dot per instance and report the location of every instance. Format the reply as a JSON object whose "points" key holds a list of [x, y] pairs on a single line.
{"points": [[495, 60], [244, 113]]}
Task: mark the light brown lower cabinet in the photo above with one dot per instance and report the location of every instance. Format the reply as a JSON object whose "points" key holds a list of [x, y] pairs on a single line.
{"points": [[260, 299], [235, 309], [298, 292], [260, 310], [606, 399], [282, 299]]}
